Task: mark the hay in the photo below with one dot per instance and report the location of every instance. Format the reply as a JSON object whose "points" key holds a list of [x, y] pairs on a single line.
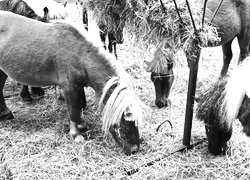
{"points": [[151, 25]]}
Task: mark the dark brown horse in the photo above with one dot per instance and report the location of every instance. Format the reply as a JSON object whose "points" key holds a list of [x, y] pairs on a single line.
{"points": [[223, 103], [45, 54], [115, 35], [232, 20]]}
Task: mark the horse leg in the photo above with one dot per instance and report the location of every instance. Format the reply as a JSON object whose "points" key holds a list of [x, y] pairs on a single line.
{"points": [[25, 94], [244, 49], [115, 50], [83, 98], [103, 38], [227, 56], [73, 98], [5, 113], [38, 91], [85, 18], [112, 42]]}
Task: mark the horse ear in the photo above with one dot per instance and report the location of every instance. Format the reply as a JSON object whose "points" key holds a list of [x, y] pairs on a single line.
{"points": [[46, 14], [146, 62], [65, 4], [46, 11]]}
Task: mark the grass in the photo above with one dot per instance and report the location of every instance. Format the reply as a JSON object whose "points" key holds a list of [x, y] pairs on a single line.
{"points": [[36, 144]]}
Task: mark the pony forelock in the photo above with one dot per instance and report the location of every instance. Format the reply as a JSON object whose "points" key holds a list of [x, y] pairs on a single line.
{"points": [[121, 98], [236, 88]]}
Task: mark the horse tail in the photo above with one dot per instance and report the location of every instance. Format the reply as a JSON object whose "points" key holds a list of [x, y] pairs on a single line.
{"points": [[236, 88]]}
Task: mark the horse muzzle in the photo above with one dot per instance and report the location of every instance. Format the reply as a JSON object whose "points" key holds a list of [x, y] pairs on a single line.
{"points": [[128, 148], [162, 103]]}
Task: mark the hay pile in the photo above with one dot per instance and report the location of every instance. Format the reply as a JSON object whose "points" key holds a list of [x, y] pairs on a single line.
{"points": [[149, 24]]}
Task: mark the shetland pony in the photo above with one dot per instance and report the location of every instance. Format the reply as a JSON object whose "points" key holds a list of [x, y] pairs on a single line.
{"points": [[224, 102], [47, 10], [162, 76], [44, 54], [232, 20]]}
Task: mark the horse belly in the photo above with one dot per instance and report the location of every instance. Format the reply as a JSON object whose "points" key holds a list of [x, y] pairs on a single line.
{"points": [[34, 77], [28, 70]]}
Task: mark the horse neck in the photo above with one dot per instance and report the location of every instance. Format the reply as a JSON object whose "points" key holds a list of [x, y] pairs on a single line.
{"points": [[99, 71]]}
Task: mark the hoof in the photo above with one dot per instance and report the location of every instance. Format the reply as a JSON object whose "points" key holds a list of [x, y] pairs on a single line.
{"points": [[6, 115], [78, 138]]}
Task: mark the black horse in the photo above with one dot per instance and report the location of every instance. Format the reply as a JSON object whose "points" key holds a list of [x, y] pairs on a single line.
{"points": [[223, 103]]}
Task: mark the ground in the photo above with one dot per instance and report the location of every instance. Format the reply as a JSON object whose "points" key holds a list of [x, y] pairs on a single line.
{"points": [[36, 144]]}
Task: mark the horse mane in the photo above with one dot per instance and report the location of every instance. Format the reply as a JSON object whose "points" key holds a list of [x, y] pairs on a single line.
{"points": [[161, 61], [237, 87], [56, 10], [121, 98], [209, 105]]}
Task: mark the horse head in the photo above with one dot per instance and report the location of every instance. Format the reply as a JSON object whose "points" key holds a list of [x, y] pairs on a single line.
{"points": [[162, 83], [122, 115], [162, 76], [126, 135]]}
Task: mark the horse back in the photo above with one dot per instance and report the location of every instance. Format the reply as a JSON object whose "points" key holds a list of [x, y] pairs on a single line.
{"points": [[26, 52], [232, 18], [49, 50]]}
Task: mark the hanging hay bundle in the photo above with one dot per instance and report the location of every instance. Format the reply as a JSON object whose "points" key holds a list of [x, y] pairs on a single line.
{"points": [[149, 23]]}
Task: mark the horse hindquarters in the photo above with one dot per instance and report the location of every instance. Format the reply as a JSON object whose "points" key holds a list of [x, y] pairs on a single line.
{"points": [[5, 113]]}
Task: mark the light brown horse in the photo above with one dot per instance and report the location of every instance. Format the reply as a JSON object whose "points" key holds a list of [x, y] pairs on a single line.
{"points": [[44, 54]]}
